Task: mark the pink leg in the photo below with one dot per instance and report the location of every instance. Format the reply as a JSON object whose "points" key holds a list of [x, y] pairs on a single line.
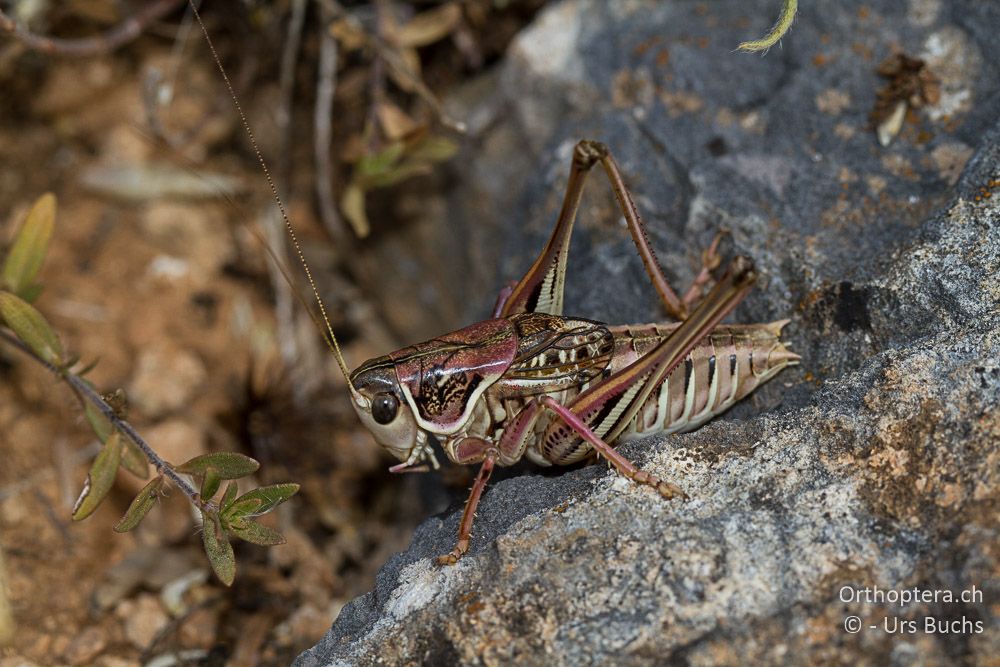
{"points": [[472, 450], [465, 527], [622, 464], [401, 468], [502, 297]]}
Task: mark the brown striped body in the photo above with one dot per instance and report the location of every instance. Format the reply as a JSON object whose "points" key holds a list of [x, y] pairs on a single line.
{"points": [[533, 382], [722, 369]]}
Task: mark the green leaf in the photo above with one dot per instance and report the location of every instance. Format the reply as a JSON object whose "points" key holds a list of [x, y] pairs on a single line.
{"points": [[100, 478], [26, 255], [230, 495], [433, 149], [227, 465], [134, 460], [399, 173], [217, 547], [101, 425], [255, 533], [29, 325], [210, 484], [381, 162], [352, 205], [140, 506], [31, 292], [261, 501]]}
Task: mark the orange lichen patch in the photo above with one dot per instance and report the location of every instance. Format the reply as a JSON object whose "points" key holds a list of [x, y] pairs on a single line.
{"points": [[862, 50], [844, 131], [898, 165], [645, 45], [820, 59], [986, 192], [904, 478], [876, 184], [725, 117], [949, 159], [680, 102], [631, 89], [845, 175], [833, 101]]}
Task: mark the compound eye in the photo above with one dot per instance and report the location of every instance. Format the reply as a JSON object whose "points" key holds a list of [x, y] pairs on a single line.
{"points": [[384, 407]]}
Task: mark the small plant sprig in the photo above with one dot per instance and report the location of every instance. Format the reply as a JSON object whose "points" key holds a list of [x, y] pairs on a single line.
{"points": [[230, 515], [773, 36]]}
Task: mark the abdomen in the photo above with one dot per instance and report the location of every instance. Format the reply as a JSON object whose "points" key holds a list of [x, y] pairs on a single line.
{"points": [[724, 367]]}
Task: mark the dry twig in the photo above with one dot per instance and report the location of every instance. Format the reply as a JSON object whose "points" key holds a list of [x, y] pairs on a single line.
{"points": [[106, 42]]}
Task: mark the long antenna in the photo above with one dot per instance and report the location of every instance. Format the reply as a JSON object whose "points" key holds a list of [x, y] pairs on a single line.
{"points": [[331, 339]]}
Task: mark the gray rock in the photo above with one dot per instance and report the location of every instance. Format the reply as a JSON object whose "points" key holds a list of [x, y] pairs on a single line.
{"points": [[874, 464]]}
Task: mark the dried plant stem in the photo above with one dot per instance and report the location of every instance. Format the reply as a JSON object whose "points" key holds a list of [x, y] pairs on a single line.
{"points": [[326, 86], [6, 614], [272, 222], [87, 393], [777, 32], [121, 34], [376, 84]]}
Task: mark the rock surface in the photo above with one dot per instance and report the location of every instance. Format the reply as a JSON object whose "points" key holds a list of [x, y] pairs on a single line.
{"points": [[874, 464]]}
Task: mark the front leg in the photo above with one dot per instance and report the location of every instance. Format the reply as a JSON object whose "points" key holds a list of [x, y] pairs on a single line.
{"points": [[472, 450], [469, 515]]}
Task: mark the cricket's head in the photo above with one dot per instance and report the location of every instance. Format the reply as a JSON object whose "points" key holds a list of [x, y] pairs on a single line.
{"points": [[430, 388], [382, 408]]}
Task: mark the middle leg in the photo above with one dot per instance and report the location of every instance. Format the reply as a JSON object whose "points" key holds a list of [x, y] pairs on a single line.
{"points": [[469, 514], [710, 260]]}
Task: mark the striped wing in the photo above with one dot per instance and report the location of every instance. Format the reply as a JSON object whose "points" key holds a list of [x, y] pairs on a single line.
{"points": [[556, 353]]}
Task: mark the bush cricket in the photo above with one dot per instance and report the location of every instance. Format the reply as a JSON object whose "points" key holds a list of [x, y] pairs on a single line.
{"points": [[533, 382]]}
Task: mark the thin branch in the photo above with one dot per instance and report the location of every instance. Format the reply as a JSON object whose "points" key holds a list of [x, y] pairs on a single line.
{"points": [[400, 67], [326, 87], [158, 88], [83, 391], [376, 84], [289, 59], [106, 42], [272, 222], [8, 631]]}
